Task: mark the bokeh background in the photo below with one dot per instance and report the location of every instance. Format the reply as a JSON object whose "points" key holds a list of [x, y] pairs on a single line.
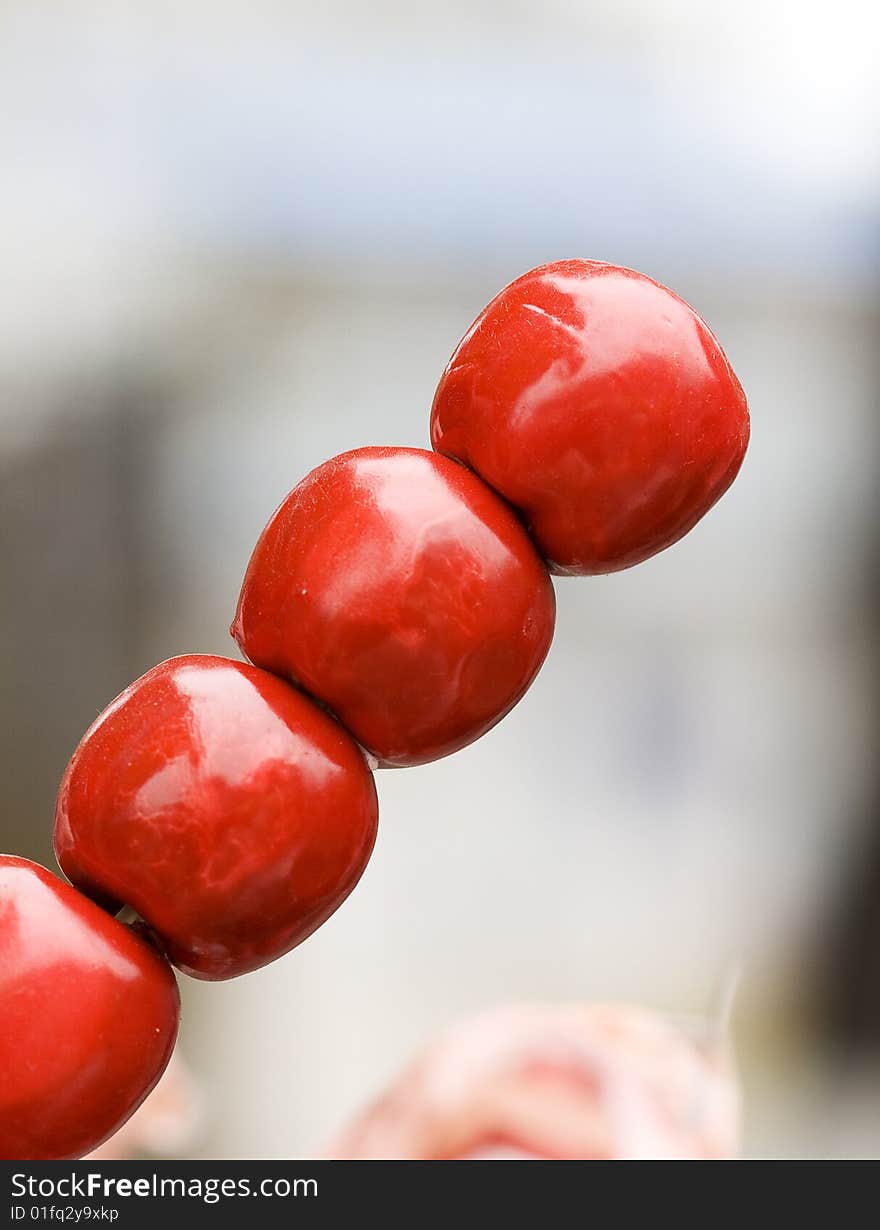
{"points": [[236, 238]]}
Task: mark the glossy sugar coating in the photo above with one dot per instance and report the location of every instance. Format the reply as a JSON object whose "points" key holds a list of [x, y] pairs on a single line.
{"points": [[393, 585], [223, 806], [88, 1017], [601, 406]]}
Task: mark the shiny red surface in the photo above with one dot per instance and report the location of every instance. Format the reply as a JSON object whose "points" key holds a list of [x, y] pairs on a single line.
{"points": [[394, 585], [88, 1020], [223, 806], [601, 406]]}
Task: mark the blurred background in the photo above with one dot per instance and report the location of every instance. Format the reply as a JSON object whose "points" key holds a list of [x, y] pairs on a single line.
{"points": [[238, 238]]}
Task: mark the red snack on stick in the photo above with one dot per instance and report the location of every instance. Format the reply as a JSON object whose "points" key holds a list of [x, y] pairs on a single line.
{"points": [[223, 806], [88, 1019], [401, 591], [601, 406]]}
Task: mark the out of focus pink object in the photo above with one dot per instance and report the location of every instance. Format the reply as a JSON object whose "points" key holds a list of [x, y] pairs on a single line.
{"points": [[557, 1082], [165, 1124]]}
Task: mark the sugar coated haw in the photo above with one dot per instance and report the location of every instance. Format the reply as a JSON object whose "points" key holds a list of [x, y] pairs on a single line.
{"points": [[601, 406], [587, 420], [401, 591], [223, 806], [88, 1017]]}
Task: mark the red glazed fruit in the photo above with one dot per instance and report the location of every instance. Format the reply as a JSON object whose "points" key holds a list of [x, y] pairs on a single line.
{"points": [[88, 1022], [601, 406], [394, 585], [223, 806]]}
